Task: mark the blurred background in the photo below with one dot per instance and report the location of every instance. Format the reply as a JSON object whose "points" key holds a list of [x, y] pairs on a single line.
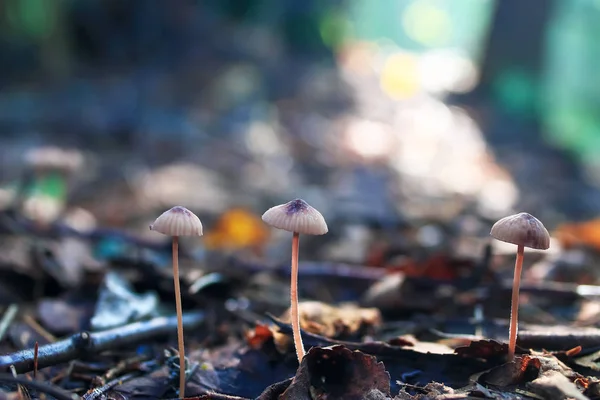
{"points": [[411, 125], [381, 114]]}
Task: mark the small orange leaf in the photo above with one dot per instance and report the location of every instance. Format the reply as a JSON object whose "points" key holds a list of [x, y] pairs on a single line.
{"points": [[237, 229], [584, 233], [258, 336]]}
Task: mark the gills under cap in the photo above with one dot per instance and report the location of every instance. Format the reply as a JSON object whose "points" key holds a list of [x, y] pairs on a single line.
{"points": [[178, 221], [296, 216], [522, 229]]}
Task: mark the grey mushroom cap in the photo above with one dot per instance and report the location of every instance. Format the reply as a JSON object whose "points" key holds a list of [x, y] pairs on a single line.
{"points": [[178, 221], [296, 216], [522, 229]]}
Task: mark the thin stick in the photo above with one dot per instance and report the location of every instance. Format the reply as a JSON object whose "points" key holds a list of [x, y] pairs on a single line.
{"points": [[55, 391], [85, 344], [20, 389], [33, 324], [514, 306], [179, 317], [101, 391], [294, 299], [35, 360], [7, 319]]}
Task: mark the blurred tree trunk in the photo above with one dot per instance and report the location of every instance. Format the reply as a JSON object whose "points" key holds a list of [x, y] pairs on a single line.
{"points": [[54, 47], [42, 23], [517, 38]]}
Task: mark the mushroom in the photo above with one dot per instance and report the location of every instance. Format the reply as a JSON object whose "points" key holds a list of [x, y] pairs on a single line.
{"points": [[178, 221], [296, 216], [524, 230]]}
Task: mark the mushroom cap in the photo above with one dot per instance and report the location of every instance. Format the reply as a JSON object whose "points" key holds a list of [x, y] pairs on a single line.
{"points": [[296, 216], [178, 221], [522, 229]]}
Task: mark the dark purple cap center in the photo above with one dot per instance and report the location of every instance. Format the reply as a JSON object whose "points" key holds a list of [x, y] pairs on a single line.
{"points": [[180, 210], [296, 206]]}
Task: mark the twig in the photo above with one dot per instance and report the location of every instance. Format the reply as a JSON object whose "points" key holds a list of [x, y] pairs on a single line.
{"points": [[63, 375], [559, 340], [43, 387], [100, 391], [20, 389], [376, 348], [35, 360], [214, 396], [122, 366], [29, 320], [85, 343], [7, 319]]}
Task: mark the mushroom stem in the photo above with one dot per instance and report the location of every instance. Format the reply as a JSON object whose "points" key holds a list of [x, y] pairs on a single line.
{"points": [[179, 317], [294, 299], [514, 307]]}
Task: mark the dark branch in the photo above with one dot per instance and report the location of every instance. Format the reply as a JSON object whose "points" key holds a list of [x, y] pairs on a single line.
{"points": [[585, 338], [215, 396], [42, 387], [85, 343]]}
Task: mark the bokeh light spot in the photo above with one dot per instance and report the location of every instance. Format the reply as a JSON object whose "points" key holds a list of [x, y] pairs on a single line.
{"points": [[399, 76], [427, 23]]}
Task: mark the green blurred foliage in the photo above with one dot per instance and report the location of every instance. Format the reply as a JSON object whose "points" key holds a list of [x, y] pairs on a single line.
{"points": [[34, 19], [570, 97], [420, 25], [51, 185]]}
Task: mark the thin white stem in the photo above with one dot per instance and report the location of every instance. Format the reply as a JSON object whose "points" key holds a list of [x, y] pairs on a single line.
{"points": [[294, 299], [179, 317], [514, 306]]}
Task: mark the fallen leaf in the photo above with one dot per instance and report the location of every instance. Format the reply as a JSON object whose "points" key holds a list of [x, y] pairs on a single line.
{"points": [[61, 317], [343, 322], [553, 385], [396, 292], [591, 361], [237, 229], [583, 233], [522, 369], [334, 373], [486, 349], [257, 337], [438, 267]]}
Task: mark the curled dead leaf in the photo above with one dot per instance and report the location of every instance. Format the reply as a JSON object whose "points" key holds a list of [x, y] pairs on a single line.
{"points": [[552, 385], [336, 373], [522, 369]]}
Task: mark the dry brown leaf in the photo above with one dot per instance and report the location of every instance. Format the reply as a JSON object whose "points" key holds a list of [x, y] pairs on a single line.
{"points": [[552, 385], [522, 369], [577, 234], [336, 373], [333, 322]]}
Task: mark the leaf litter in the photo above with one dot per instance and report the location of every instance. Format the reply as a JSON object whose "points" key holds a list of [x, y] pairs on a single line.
{"points": [[354, 352]]}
